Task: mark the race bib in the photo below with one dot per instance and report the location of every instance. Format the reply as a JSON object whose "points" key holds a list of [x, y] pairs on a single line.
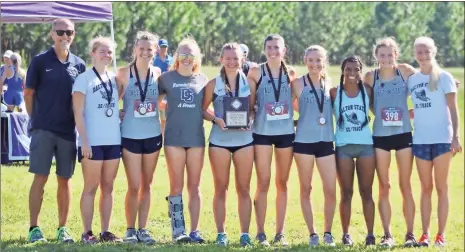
{"points": [[392, 116], [144, 109], [277, 111]]}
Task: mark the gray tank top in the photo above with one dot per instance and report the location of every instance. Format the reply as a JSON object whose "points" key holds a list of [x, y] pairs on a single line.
{"points": [[390, 105], [136, 125], [273, 118], [308, 129], [184, 114], [230, 137]]}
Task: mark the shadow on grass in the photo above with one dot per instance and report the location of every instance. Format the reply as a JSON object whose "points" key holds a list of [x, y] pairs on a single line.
{"points": [[22, 245]]}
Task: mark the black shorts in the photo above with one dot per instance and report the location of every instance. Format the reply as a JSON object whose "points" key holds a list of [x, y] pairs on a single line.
{"points": [[394, 142], [102, 152], [231, 149], [142, 146], [279, 141], [319, 149]]}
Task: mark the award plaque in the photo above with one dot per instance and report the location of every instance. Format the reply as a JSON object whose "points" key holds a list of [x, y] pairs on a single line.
{"points": [[236, 112]]}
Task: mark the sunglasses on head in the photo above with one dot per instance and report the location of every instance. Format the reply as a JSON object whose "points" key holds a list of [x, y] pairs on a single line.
{"points": [[62, 32], [183, 56]]}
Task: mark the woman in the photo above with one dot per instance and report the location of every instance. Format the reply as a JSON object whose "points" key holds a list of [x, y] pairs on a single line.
{"points": [[314, 139], [141, 135], [14, 77], [434, 97], [184, 136], [95, 104], [226, 144], [354, 141], [273, 125], [392, 131]]}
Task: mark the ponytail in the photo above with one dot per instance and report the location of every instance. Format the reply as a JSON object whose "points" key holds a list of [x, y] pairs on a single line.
{"points": [[434, 76]]}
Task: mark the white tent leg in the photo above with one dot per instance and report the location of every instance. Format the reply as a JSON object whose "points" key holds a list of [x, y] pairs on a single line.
{"points": [[114, 53]]}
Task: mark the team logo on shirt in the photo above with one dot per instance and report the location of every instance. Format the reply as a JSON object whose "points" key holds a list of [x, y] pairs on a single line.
{"points": [[421, 95], [187, 95], [352, 118], [72, 71], [105, 96]]}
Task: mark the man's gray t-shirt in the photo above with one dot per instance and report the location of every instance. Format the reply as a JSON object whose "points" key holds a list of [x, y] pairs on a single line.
{"points": [[100, 129], [184, 114]]}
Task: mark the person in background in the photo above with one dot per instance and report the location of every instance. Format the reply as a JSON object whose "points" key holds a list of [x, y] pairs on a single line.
{"points": [[246, 65], [49, 83], [6, 62], [14, 76], [163, 61]]}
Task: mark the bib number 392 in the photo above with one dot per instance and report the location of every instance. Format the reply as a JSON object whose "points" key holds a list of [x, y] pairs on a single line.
{"points": [[392, 116]]}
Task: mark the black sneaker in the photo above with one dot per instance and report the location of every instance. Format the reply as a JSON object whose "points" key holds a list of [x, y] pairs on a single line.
{"points": [[370, 240], [108, 236], [347, 240], [410, 240]]}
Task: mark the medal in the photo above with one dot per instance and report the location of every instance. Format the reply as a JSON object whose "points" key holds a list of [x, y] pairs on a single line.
{"points": [[321, 119], [109, 112], [142, 110], [143, 92], [278, 110], [109, 92]]}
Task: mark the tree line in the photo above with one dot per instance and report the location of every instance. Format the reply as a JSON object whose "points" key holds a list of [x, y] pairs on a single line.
{"points": [[342, 28]]}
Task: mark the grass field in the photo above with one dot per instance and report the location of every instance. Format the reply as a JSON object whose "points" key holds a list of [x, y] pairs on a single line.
{"points": [[15, 182]]}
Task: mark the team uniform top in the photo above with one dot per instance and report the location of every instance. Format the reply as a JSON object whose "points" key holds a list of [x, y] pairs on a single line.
{"points": [[432, 122], [353, 115], [184, 114], [309, 130], [230, 137], [101, 129], [390, 106], [273, 117], [138, 125]]}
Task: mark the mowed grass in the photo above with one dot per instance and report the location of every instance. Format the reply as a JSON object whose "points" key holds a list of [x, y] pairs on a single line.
{"points": [[15, 182]]}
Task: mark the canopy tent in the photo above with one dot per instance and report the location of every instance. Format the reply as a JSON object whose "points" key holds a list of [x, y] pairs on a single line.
{"points": [[46, 12]]}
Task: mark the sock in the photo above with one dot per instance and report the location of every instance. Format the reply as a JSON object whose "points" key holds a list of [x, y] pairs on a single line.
{"points": [[328, 233], [222, 233], [244, 234], [131, 228], [313, 234], [32, 227]]}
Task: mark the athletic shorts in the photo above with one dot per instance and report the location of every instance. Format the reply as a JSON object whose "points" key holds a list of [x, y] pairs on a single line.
{"points": [[231, 149], [318, 149], [394, 142], [142, 146], [279, 141], [44, 146], [355, 151], [13, 98], [430, 151], [102, 152]]}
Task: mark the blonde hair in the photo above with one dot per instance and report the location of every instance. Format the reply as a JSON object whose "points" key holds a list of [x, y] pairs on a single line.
{"points": [[145, 35], [19, 72], [389, 42], [435, 68], [99, 41], [192, 44], [324, 73]]}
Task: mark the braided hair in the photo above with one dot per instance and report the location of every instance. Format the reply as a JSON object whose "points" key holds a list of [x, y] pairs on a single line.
{"points": [[357, 60]]}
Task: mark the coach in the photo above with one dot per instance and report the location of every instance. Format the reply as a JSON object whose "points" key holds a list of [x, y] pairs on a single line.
{"points": [[49, 83]]}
